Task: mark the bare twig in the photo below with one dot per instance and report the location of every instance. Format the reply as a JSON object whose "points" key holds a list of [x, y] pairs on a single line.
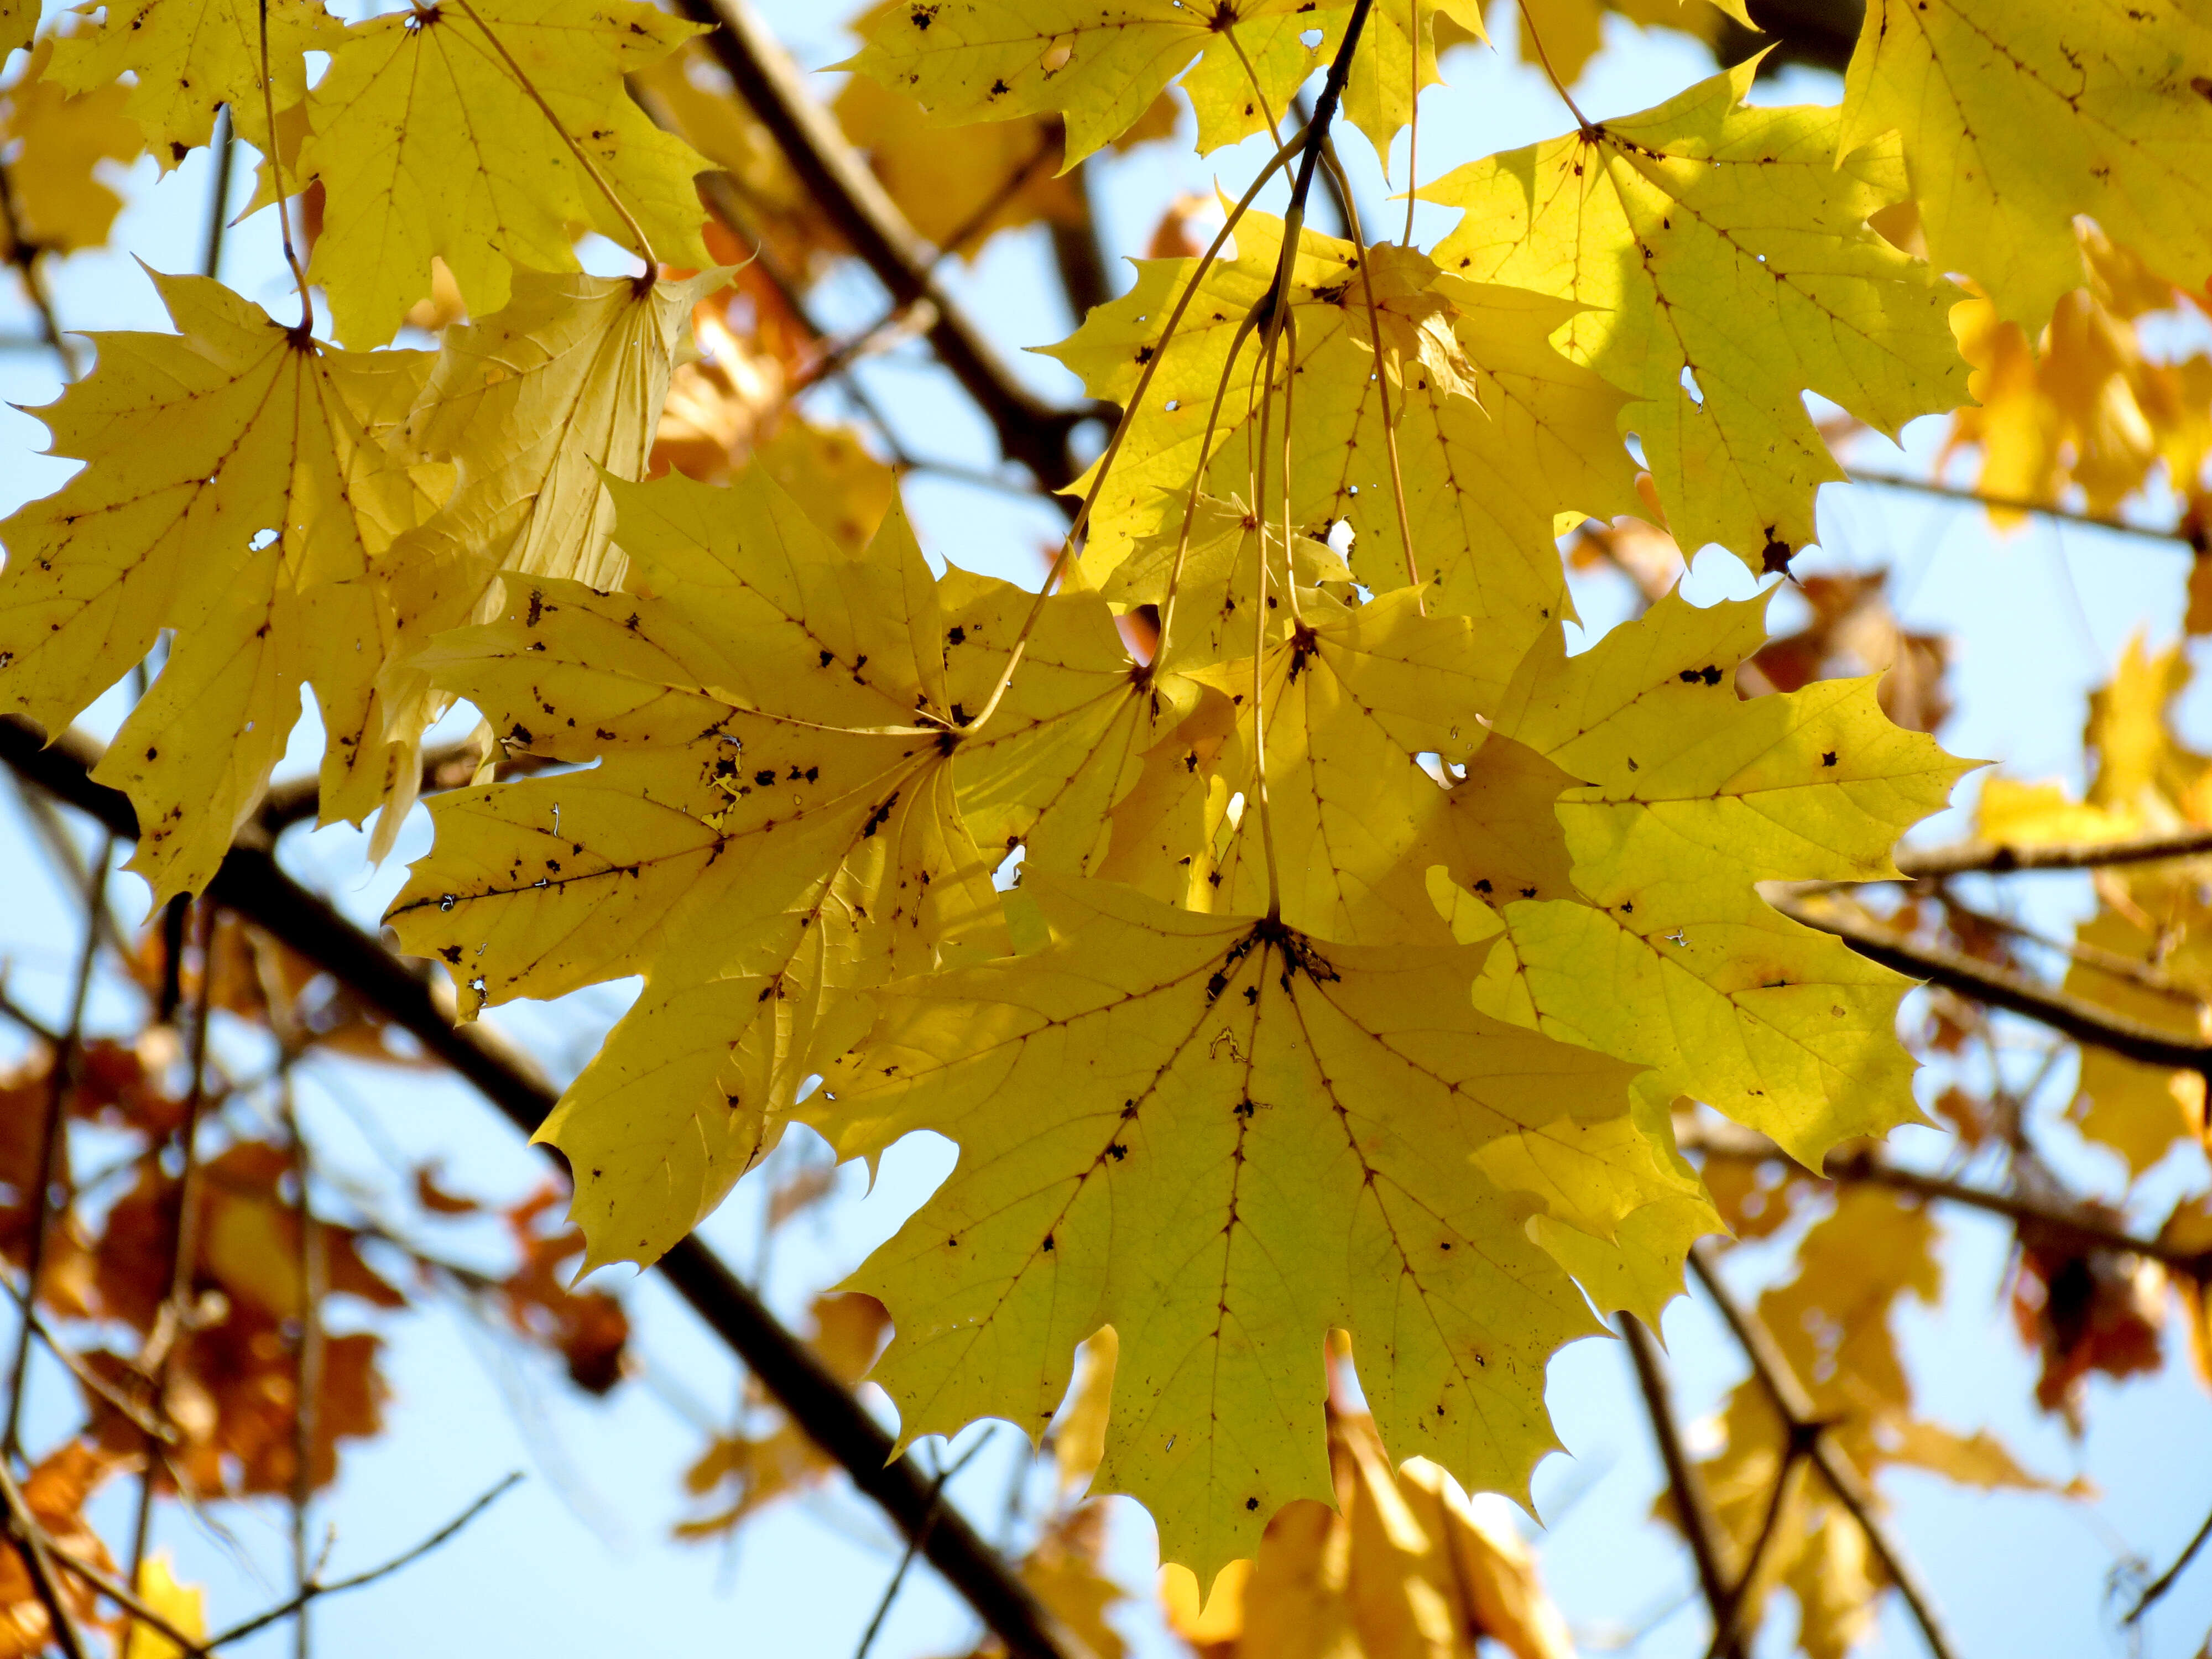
{"points": [[53, 1145], [1866, 1166], [1997, 986], [108, 1584], [1803, 1423], [840, 182], [1693, 1505], [172, 1324], [2016, 504], [1730, 1634], [2002, 858], [30, 1540], [219, 155], [314, 1591], [23, 254], [2165, 1582], [250, 883], [906, 1559], [92, 1381]]}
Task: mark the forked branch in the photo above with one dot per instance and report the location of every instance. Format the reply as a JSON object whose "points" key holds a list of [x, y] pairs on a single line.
{"points": [[1802, 1424]]}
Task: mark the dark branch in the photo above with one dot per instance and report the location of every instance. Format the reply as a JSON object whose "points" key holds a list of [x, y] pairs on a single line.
{"points": [[1804, 1427], [1029, 431], [251, 883], [1866, 1166], [1999, 988], [1693, 1506], [2165, 1582], [2001, 858]]}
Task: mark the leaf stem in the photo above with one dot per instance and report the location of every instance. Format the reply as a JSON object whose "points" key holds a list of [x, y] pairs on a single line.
{"points": [[276, 183], [1543, 58], [630, 220]]}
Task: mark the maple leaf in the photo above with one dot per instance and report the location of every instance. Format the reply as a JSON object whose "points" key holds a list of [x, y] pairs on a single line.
{"points": [[755, 864], [428, 143], [1498, 434], [191, 57], [238, 490], [1726, 255], [1499, 438], [2015, 118], [1349, 704], [19, 21], [1666, 956], [1098, 66], [1252, 1138], [533, 406], [60, 199]]}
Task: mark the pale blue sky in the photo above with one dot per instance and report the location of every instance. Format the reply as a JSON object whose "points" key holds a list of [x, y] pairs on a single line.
{"points": [[576, 1562]]}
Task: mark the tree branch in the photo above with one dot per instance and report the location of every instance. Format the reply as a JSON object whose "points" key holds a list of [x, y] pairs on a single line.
{"points": [[2165, 1582], [2132, 1039], [1693, 1506], [250, 883], [1803, 1425], [1029, 431], [311, 1590], [31, 1541], [2002, 858], [2022, 504], [1866, 1166]]}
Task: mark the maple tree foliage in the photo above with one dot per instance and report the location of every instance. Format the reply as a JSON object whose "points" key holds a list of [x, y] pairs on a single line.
{"points": [[1343, 986]]}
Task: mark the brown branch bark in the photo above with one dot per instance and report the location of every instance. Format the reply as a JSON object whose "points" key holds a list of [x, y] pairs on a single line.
{"points": [[251, 883], [1866, 1166], [1999, 988], [2001, 858], [1029, 430], [2022, 504], [1804, 1426], [1693, 1505]]}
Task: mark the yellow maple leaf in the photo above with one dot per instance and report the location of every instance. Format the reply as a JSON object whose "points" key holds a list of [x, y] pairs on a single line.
{"points": [[1729, 264], [184, 1606], [238, 491], [191, 57], [1499, 434], [1667, 957], [533, 406], [429, 141], [2016, 115], [19, 21], [59, 198], [760, 864], [1098, 66], [1252, 1138]]}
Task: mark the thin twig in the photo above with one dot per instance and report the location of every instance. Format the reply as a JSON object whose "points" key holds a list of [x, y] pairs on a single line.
{"points": [[2018, 504], [31, 1542], [407, 1558], [172, 1324], [906, 1559], [23, 254], [53, 1145], [2117, 965], [1866, 1166], [1729, 1634], [1794, 1406], [108, 1584], [2002, 858], [1693, 1506], [308, 1366], [837, 181], [2165, 1580]]}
